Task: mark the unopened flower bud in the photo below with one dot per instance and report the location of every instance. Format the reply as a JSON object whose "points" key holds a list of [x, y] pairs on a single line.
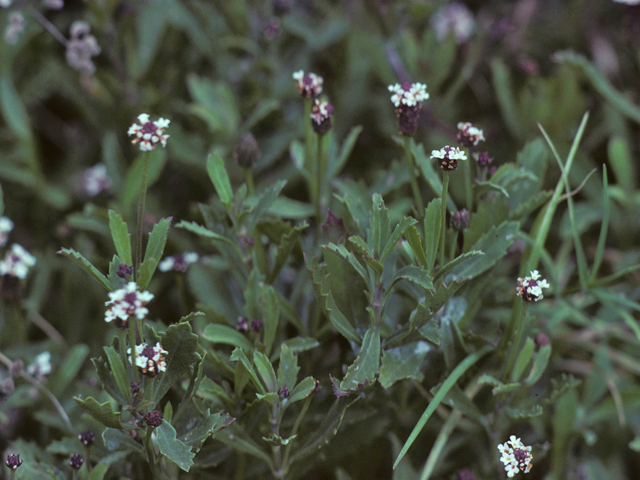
{"points": [[13, 461], [256, 324], [87, 438], [124, 270], [7, 387], [134, 387], [482, 159], [460, 220], [542, 340], [321, 114], [283, 392], [76, 461], [246, 152], [16, 368], [465, 474], [153, 418]]}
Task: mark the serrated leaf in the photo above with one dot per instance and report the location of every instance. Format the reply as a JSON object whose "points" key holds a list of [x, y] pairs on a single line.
{"points": [[361, 245], [206, 426], [121, 237], [520, 413], [182, 344], [102, 412], [367, 364], [397, 233], [432, 227], [265, 370], [277, 440], [220, 179], [172, 448], [288, 368], [403, 362], [412, 235], [265, 200], [224, 334], [153, 252], [414, 274], [108, 381], [560, 386], [285, 247], [380, 224], [119, 371], [302, 390], [239, 355], [87, 266]]}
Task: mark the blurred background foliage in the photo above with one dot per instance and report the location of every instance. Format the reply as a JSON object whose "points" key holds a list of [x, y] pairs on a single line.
{"points": [[220, 68]]}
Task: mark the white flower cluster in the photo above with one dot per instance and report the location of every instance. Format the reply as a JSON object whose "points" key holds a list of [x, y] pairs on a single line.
{"points": [[321, 111], [628, 2], [41, 365], [179, 262], [469, 135], [126, 302], [530, 288], [449, 153], [6, 225], [515, 456], [453, 18], [149, 133], [17, 262], [150, 359], [95, 180], [309, 86], [409, 95]]}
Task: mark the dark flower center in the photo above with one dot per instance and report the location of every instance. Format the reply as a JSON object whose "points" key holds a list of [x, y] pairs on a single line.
{"points": [[149, 127], [148, 352], [131, 297]]}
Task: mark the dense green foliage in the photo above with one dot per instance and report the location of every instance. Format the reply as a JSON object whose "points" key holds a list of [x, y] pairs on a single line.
{"points": [[335, 324]]}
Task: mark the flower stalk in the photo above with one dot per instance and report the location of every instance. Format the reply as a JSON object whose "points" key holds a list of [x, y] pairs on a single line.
{"points": [[443, 215], [408, 155], [140, 219]]}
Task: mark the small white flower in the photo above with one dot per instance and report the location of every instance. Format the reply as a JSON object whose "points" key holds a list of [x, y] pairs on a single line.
{"points": [[530, 288], [309, 86], [5, 3], [125, 302], [453, 18], [150, 359], [515, 456], [626, 2], [95, 180], [41, 365], [408, 94], [17, 262], [6, 225], [149, 133], [448, 157], [179, 262], [468, 135]]}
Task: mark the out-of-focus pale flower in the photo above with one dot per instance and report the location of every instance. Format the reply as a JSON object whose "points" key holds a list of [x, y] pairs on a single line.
{"points": [[468, 135], [126, 302], [179, 262], [628, 2], [150, 359], [95, 180], [448, 157], [17, 262], [6, 225], [309, 86], [515, 456], [408, 98], [81, 47], [5, 3], [14, 28], [321, 114], [41, 366], [53, 4], [454, 18], [149, 133], [530, 288]]}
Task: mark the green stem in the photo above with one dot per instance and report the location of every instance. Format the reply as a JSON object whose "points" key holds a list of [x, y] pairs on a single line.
{"points": [[122, 345], [88, 462], [140, 220], [248, 177], [467, 182], [443, 215], [294, 431], [151, 456], [417, 198], [319, 179], [515, 346], [132, 345], [454, 244], [309, 159]]}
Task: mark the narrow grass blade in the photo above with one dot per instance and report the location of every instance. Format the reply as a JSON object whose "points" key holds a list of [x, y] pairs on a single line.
{"points": [[606, 206]]}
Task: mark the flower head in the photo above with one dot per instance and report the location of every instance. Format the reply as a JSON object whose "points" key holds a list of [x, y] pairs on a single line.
{"points": [[149, 133], [460, 220], [321, 114], [179, 262], [87, 438], [448, 157], [15, 25], [6, 225], [150, 359], [95, 180], [247, 152], [408, 98], [41, 365], [468, 135], [17, 262], [76, 461], [309, 86], [125, 302], [153, 418], [13, 461], [81, 47], [482, 159], [515, 456], [454, 18], [530, 288]]}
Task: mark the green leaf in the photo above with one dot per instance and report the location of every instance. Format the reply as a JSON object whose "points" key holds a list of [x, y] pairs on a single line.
{"points": [[102, 412], [603, 228], [98, 472], [302, 390], [414, 274], [320, 282], [522, 360], [301, 344], [13, 110], [480, 188], [506, 101], [345, 151], [239, 355], [342, 251], [204, 232], [288, 368], [367, 365], [217, 333], [539, 365], [206, 426], [520, 413], [220, 179], [117, 440], [119, 371], [238, 439], [130, 190], [270, 305], [266, 371], [381, 229], [432, 227], [87, 266], [444, 389], [154, 251], [361, 245], [109, 383], [265, 201], [121, 237], [68, 369], [172, 448], [403, 362], [287, 243], [182, 344], [564, 417], [398, 232], [412, 235]]}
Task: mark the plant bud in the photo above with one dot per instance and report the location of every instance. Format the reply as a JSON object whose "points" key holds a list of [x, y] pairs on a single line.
{"points": [[246, 152]]}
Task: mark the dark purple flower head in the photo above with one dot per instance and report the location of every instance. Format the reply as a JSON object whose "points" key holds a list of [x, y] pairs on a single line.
{"points": [[321, 114], [76, 461], [256, 324], [13, 461], [483, 159], [283, 392], [153, 418], [408, 98], [124, 270], [87, 438], [246, 152], [309, 86], [460, 220], [468, 135]]}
